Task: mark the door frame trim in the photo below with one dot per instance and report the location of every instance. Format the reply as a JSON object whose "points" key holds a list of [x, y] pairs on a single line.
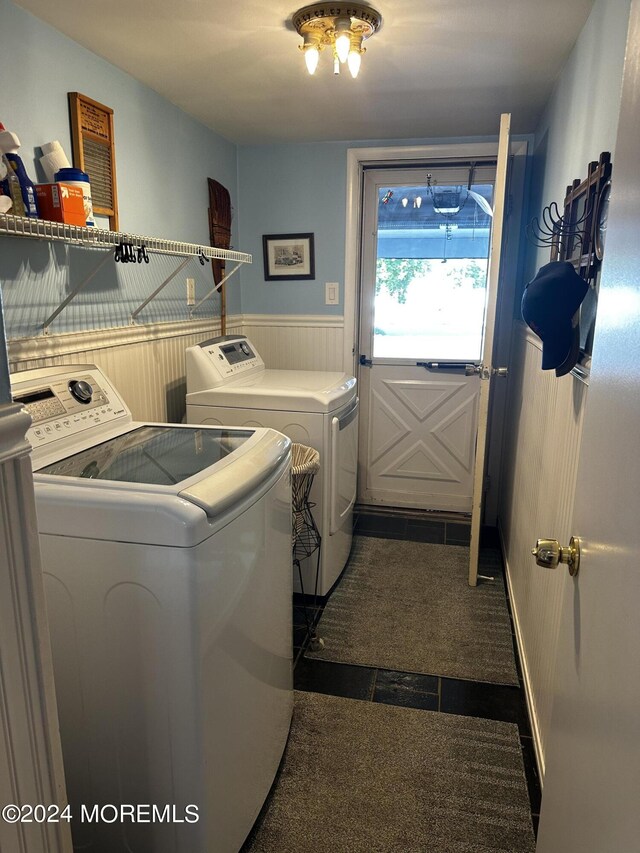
{"points": [[357, 160]]}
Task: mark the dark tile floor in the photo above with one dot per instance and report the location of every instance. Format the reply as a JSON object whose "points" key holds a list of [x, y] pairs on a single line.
{"points": [[428, 692]]}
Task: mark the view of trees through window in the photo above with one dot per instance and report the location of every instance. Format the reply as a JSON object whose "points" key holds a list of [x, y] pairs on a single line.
{"points": [[429, 308]]}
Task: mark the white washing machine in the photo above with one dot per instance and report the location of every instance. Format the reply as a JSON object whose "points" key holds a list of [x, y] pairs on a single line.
{"points": [[167, 559], [227, 382]]}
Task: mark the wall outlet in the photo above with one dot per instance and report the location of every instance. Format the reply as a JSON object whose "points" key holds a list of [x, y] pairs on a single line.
{"points": [[332, 293], [191, 291]]}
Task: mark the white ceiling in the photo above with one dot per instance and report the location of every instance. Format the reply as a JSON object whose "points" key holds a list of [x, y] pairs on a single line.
{"points": [[436, 68]]}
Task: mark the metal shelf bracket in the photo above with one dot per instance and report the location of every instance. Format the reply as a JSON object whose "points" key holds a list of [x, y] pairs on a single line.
{"points": [[213, 290]]}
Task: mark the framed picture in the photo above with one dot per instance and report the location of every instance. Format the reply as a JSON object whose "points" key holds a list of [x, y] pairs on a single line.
{"points": [[288, 256]]}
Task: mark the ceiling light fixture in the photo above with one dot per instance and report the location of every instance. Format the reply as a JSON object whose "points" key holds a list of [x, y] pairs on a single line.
{"points": [[342, 27]]}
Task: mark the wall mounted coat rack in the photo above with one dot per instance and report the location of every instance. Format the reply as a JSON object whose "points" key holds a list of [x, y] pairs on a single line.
{"points": [[577, 235]]}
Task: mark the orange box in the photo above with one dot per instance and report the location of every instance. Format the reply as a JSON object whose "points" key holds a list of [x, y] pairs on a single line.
{"points": [[61, 203]]}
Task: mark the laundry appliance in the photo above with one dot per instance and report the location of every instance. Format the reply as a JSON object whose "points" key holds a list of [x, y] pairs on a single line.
{"points": [[167, 559], [227, 382]]}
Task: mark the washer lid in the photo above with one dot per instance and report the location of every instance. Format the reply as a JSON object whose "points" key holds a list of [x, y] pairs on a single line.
{"points": [[157, 484], [282, 390]]}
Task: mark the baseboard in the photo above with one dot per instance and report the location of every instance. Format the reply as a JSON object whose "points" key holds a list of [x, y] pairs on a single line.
{"points": [[533, 719]]}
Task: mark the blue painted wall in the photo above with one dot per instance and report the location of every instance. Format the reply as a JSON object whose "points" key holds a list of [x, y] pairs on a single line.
{"points": [[580, 119], [163, 158], [287, 189]]}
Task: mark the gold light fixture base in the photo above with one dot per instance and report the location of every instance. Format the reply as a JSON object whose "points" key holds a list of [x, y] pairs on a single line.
{"points": [[320, 23], [321, 18]]}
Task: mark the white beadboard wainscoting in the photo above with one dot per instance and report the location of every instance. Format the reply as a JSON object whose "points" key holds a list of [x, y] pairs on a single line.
{"points": [[542, 438], [298, 342], [146, 363]]}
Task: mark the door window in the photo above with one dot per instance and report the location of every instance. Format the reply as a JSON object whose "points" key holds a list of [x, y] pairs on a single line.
{"points": [[432, 245]]}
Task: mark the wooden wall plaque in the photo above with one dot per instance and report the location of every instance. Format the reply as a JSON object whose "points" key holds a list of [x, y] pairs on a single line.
{"points": [[93, 144]]}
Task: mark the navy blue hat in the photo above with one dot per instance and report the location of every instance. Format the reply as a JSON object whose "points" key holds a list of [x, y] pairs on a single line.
{"points": [[550, 305]]}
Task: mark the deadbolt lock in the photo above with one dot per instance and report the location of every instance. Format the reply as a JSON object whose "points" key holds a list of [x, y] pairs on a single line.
{"points": [[549, 553]]}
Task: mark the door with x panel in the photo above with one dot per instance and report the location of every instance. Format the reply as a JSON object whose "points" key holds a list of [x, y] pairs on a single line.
{"points": [[426, 239]]}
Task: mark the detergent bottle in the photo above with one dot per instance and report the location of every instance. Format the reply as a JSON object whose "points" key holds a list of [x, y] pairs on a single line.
{"points": [[17, 184]]}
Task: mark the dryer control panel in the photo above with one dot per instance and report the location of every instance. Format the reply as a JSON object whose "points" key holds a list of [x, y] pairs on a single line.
{"points": [[220, 360], [63, 401]]}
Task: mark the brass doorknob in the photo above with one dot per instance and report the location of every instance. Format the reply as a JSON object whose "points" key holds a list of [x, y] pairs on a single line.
{"points": [[549, 553]]}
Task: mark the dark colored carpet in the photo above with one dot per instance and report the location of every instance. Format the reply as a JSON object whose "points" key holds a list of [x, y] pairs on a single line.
{"points": [[360, 777], [407, 606]]}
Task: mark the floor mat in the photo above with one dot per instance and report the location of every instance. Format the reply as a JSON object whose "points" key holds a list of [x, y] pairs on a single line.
{"points": [[359, 777], [407, 606]]}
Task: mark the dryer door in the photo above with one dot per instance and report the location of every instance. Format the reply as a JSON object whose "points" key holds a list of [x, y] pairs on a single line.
{"points": [[344, 465]]}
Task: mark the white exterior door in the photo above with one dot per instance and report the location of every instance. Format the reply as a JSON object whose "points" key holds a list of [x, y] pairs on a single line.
{"points": [[592, 780], [419, 437], [426, 310]]}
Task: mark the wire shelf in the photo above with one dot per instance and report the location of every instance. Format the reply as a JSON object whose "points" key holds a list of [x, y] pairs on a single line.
{"points": [[98, 238]]}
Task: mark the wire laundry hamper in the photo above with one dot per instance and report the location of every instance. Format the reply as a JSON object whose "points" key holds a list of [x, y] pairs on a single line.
{"points": [[306, 538]]}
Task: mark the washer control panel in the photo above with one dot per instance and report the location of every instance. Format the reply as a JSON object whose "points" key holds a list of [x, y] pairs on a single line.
{"points": [[65, 404]]}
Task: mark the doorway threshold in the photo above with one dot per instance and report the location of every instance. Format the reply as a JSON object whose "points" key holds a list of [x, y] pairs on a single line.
{"points": [[409, 512]]}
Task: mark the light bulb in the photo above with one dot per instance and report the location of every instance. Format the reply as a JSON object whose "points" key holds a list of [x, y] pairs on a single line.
{"points": [[353, 61], [311, 58], [343, 38], [343, 43]]}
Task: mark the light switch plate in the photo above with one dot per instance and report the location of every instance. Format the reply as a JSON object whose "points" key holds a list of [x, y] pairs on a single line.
{"points": [[191, 291], [332, 293]]}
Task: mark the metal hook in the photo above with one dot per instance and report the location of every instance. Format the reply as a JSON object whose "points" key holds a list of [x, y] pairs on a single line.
{"points": [[472, 169]]}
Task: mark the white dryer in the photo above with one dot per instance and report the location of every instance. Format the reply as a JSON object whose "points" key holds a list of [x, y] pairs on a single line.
{"points": [[227, 382], [167, 559]]}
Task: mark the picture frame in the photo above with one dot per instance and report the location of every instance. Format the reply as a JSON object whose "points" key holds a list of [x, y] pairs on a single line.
{"points": [[288, 257]]}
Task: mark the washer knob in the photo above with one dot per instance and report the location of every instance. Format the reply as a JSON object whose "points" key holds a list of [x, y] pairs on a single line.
{"points": [[81, 390]]}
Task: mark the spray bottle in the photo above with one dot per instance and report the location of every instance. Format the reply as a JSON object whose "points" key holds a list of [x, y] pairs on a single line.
{"points": [[17, 183], [5, 199]]}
